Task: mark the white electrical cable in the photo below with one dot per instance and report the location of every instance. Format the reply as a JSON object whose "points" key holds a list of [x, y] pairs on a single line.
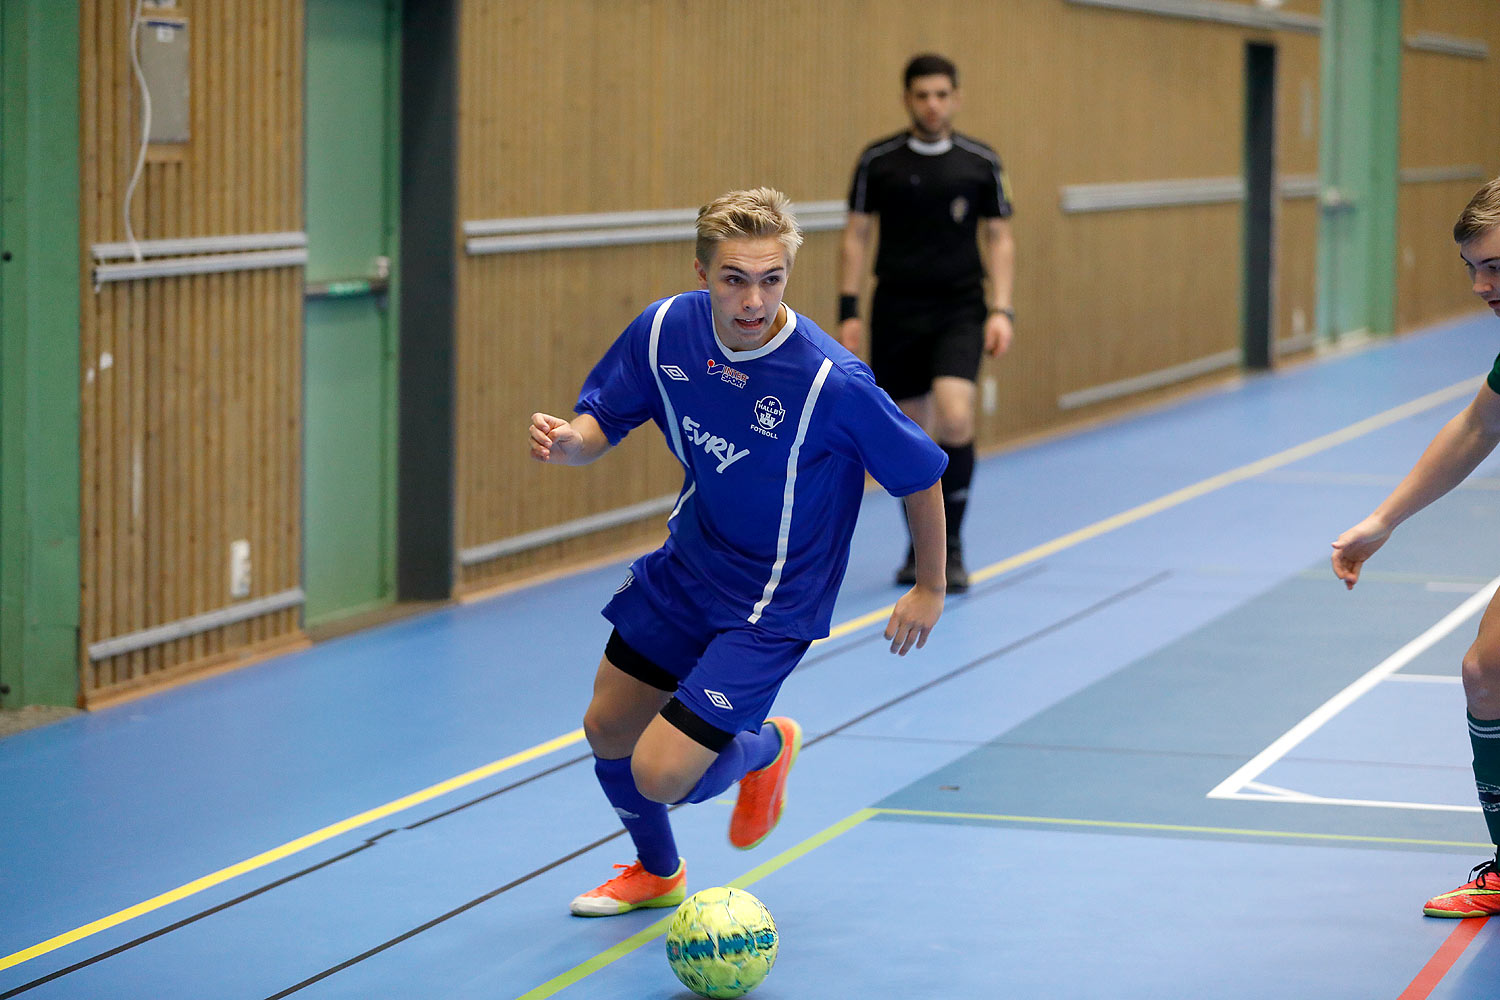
{"points": [[140, 161]]}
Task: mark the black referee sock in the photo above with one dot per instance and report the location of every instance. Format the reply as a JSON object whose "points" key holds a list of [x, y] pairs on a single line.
{"points": [[1484, 737], [956, 479]]}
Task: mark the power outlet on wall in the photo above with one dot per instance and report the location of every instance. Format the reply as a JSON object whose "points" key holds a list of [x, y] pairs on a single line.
{"points": [[239, 568], [989, 394]]}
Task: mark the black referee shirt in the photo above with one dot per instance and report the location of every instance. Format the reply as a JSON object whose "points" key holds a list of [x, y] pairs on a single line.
{"points": [[930, 198]]}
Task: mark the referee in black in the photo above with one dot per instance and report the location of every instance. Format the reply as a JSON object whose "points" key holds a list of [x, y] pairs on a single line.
{"points": [[931, 319]]}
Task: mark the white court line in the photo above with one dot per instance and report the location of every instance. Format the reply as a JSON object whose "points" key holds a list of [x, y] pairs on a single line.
{"points": [[1449, 587], [1259, 791], [1318, 800], [1233, 787]]}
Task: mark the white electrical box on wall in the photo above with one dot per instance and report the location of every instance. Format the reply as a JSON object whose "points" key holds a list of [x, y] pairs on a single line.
{"points": [[163, 50], [239, 568]]}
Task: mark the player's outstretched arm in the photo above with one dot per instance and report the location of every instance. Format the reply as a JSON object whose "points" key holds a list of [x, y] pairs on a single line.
{"points": [[1459, 447], [920, 607], [563, 442]]}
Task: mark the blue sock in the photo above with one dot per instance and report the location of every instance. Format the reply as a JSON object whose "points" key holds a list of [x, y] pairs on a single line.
{"points": [[745, 753], [646, 821]]}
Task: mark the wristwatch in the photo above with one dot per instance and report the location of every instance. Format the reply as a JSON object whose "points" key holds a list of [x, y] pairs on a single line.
{"points": [[1005, 311]]}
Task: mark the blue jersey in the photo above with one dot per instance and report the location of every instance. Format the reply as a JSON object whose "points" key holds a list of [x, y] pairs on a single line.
{"points": [[774, 442]]}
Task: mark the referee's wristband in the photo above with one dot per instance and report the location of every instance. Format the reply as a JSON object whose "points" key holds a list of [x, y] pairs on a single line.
{"points": [[1005, 311], [848, 307]]}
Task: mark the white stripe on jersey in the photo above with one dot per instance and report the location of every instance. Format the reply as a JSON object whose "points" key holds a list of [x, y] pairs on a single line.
{"points": [[864, 169], [680, 501], [987, 154], [789, 496], [656, 321]]}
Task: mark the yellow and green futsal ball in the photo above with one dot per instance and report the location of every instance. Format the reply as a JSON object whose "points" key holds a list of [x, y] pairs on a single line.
{"points": [[721, 942]]}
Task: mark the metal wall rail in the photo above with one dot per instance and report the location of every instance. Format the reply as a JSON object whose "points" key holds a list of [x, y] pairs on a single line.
{"points": [[596, 229], [568, 529], [156, 635], [197, 255], [1112, 197], [1448, 45], [1219, 11]]}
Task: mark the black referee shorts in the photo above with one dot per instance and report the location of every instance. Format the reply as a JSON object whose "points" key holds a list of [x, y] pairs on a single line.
{"points": [[916, 338]]}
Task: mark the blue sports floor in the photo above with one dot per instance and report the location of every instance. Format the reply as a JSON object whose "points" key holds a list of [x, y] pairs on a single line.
{"points": [[1156, 752]]}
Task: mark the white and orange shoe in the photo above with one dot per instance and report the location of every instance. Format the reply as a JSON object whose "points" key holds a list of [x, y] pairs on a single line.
{"points": [[633, 889], [763, 792]]}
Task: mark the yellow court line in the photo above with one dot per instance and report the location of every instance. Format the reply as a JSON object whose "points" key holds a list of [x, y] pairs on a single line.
{"points": [[292, 847], [1175, 828], [1193, 492], [1173, 499], [653, 931], [656, 930]]}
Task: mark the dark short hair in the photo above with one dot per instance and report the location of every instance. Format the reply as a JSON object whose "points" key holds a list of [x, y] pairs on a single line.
{"points": [[930, 64]]}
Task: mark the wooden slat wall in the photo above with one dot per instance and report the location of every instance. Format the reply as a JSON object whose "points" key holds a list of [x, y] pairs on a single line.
{"points": [[191, 388], [1449, 118], [570, 106], [1143, 98]]}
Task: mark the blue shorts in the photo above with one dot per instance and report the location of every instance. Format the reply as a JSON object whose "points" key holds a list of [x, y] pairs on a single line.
{"points": [[727, 672]]}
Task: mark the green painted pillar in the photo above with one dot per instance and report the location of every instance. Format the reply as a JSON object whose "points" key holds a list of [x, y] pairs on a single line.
{"points": [[39, 262], [1357, 162]]}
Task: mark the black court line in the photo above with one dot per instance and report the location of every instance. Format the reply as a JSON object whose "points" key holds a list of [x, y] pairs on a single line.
{"points": [[185, 921], [1041, 633], [1010, 647], [499, 791], [873, 635], [278, 883], [1001, 584]]}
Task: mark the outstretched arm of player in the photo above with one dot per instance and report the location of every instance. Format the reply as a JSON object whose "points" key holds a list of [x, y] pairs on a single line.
{"points": [[1000, 262], [919, 608], [562, 442], [1459, 447], [853, 249]]}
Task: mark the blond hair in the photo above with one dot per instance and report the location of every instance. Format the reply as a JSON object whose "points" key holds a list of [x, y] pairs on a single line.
{"points": [[753, 214], [1480, 215]]}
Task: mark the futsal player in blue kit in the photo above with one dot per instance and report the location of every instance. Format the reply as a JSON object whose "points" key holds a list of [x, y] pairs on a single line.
{"points": [[776, 425]]}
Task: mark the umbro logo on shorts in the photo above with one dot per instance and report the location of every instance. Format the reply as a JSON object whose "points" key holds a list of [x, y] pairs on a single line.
{"points": [[673, 372], [718, 699]]}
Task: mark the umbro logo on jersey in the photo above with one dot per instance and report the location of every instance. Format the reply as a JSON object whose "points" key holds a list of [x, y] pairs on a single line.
{"points": [[717, 697], [733, 376], [673, 372], [723, 450]]}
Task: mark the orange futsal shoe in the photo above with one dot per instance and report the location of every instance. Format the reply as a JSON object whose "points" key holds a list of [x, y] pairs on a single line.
{"points": [[633, 889], [1479, 897], [763, 792]]}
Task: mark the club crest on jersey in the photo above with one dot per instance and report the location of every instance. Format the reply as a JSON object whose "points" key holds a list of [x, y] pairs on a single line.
{"points": [[769, 413], [959, 208], [733, 376], [718, 447]]}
